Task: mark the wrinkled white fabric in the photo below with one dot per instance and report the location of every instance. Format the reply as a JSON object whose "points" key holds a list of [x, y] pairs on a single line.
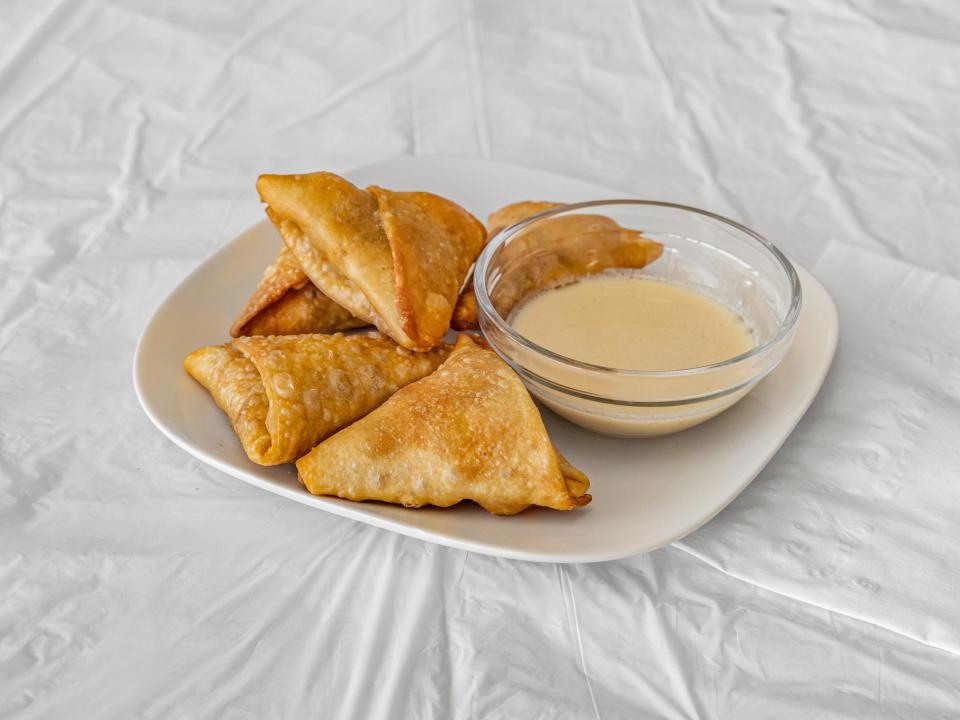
{"points": [[136, 582], [858, 511]]}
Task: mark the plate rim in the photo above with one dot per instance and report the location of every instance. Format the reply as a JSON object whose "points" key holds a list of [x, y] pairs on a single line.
{"points": [[345, 508]]}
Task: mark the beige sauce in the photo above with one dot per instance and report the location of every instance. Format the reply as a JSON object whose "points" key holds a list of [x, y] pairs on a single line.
{"points": [[630, 323], [623, 321]]}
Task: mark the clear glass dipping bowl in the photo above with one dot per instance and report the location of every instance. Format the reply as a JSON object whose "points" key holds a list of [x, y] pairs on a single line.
{"points": [[701, 251]]}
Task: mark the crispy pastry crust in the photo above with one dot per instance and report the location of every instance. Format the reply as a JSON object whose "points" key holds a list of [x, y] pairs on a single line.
{"points": [[584, 244], [396, 260], [469, 431], [285, 394], [287, 303]]}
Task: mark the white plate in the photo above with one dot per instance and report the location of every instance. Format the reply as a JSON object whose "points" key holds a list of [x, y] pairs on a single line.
{"points": [[646, 493]]}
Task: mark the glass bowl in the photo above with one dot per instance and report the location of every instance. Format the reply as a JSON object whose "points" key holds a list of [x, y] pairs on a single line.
{"points": [[701, 251]]}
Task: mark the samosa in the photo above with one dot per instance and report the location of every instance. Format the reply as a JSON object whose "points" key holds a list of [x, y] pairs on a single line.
{"points": [[552, 252], [469, 431], [287, 303], [397, 260], [284, 394]]}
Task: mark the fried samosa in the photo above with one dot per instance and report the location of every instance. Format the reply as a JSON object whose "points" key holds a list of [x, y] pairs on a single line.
{"points": [[578, 245], [469, 431], [465, 312], [285, 394], [397, 260], [515, 212], [287, 303]]}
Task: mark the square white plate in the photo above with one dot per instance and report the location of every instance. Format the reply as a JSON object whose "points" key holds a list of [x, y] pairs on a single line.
{"points": [[646, 493]]}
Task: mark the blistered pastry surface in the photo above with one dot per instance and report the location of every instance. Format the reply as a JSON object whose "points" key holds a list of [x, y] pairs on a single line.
{"points": [[469, 431], [296, 390]]}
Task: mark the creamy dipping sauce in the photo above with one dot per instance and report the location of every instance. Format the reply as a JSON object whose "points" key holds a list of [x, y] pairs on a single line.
{"points": [[620, 320], [626, 322]]}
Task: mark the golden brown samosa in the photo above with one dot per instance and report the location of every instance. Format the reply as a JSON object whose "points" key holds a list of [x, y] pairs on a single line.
{"points": [[469, 431], [395, 259], [579, 245], [515, 212], [285, 394], [465, 312], [287, 303]]}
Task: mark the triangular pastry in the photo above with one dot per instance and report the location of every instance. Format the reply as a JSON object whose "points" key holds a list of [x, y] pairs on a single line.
{"points": [[287, 303], [285, 394], [469, 431], [465, 312], [581, 245], [395, 259], [515, 212]]}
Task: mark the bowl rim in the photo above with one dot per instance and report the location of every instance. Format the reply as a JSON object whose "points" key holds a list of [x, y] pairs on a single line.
{"points": [[485, 305]]}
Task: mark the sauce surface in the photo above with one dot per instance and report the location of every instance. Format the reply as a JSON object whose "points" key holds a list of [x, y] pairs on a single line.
{"points": [[630, 323]]}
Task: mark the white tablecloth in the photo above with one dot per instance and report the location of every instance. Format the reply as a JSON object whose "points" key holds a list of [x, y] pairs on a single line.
{"points": [[136, 582]]}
